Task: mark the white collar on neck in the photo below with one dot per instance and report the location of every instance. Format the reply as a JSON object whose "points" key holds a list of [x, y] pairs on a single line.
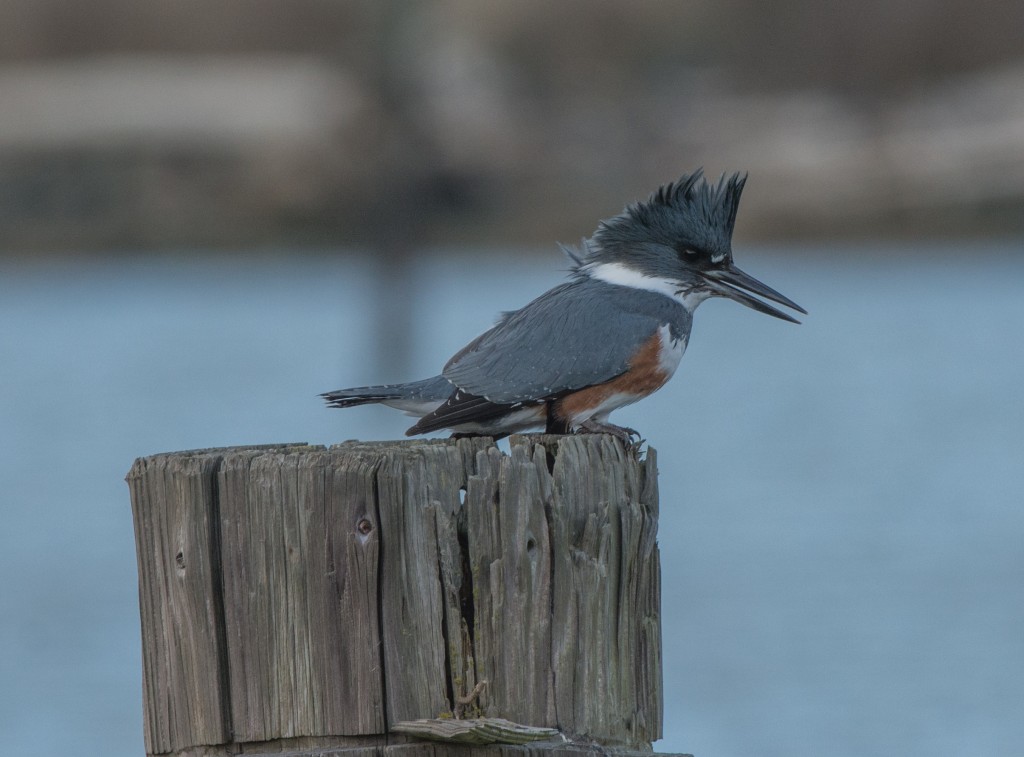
{"points": [[621, 274]]}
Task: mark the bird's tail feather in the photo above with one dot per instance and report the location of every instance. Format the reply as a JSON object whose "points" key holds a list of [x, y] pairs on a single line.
{"points": [[362, 395], [417, 397]]}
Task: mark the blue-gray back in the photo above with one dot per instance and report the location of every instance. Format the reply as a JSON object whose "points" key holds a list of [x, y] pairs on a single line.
{"points": [[581, 333]]}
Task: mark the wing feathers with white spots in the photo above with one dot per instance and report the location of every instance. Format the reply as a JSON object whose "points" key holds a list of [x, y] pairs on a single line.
{"points": [[581, 333]]}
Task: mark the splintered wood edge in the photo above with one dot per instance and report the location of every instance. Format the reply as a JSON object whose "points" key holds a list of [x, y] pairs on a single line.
{"points": [[476, 731]]}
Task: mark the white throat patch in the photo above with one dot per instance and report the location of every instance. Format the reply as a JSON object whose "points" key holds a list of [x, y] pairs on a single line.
{"points": [[623, 275]]}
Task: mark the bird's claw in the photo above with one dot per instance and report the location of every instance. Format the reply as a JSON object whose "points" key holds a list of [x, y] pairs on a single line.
{"points": [[629, 436]]}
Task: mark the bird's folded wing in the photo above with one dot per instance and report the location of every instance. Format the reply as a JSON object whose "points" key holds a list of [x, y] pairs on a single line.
{"points": [[568, 338]]}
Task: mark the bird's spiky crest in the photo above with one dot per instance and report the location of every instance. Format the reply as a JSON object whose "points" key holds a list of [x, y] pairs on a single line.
{"points": [[689, 215], [717, 203]]}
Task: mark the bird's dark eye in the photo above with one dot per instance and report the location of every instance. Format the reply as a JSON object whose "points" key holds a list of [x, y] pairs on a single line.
{"points": [[694, 257]]}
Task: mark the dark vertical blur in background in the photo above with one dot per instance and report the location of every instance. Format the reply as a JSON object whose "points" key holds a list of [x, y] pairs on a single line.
{"points": [[179, 123], [213, 210]]}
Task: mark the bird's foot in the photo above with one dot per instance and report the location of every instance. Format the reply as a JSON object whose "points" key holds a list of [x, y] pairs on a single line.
{"points": [[629, 436]]}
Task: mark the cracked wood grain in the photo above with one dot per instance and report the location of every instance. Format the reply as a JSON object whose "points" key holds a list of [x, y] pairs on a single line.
{"points": [[294, 595]]}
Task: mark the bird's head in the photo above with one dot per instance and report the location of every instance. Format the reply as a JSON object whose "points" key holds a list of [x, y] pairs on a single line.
{"points": [[679, 241]]}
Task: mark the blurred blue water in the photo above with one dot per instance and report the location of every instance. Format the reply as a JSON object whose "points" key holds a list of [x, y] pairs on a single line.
{"points": [[841, 501]]}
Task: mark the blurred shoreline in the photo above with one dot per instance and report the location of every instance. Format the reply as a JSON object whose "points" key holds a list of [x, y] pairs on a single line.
{"points": [[418, 126]]}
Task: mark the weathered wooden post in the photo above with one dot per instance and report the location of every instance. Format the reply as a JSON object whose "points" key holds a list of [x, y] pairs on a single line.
{"points": [[309, 600]]}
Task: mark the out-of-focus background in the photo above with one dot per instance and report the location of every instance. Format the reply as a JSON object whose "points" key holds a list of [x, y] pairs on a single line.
{"points": [[183, 124], [210, 212]]}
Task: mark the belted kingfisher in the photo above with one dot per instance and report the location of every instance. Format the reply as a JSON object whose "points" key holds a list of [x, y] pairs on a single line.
{"points": [[611, 335]]}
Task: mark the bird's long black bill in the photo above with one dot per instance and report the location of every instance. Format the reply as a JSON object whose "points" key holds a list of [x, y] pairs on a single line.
{"points": [[735, 284]]}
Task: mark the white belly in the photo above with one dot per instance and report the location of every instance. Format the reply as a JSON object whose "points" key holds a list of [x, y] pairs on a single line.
{"points": [[671, 350]]}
